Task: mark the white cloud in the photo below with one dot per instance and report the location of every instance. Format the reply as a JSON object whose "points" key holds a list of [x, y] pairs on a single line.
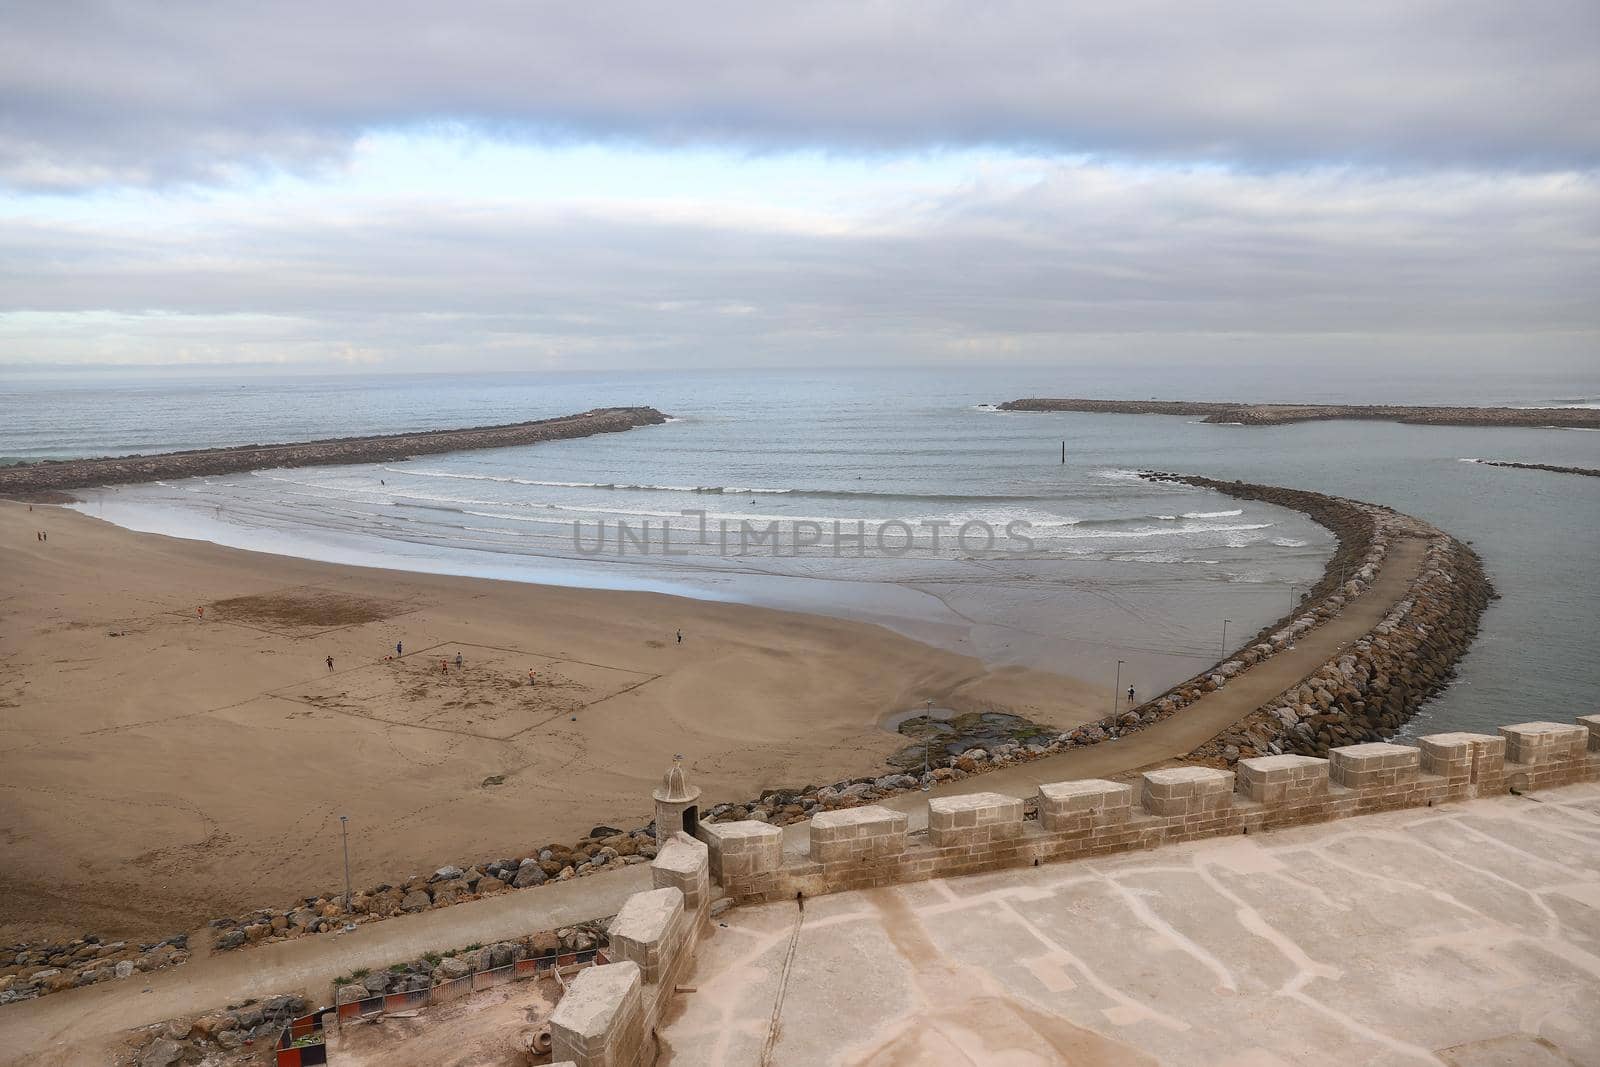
{"points": [[95, 92], [1162, 259]]}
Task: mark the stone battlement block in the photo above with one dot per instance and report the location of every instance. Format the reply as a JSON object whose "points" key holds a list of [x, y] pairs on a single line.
{"points": [[1375, 765], [742, 850], [601, 1017], [1085, 801], [1462, 756], [1592, 724], [649, 929], [1282, 779], [1544, 742], [1187, 790], [684, 864], [870, 832], [973, 818]]}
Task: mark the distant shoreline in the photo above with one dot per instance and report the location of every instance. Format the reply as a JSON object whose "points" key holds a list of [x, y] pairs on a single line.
{"points": [[48, 479], [1227, 412]]}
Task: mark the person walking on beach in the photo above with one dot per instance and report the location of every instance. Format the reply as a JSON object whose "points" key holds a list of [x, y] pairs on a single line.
{"points": [[200, 612], [680, 637], [399, 648], [330, 663], [458, 661], [530, 676]]}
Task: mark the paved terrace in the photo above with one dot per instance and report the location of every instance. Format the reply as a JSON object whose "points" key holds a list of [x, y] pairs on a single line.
{"points": [[1466, 934]]}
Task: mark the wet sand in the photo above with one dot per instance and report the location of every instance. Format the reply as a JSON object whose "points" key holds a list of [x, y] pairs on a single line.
{"points": [[159, 769]]}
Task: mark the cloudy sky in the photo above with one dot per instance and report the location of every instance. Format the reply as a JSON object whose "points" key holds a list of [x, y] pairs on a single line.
{"points": [[520, 185]]}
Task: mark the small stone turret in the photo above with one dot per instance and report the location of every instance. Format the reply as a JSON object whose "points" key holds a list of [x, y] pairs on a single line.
{"points": [[677, 802]]}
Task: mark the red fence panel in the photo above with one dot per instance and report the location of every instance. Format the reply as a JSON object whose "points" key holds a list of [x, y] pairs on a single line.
{"points": [[490, 979], [450, 991], [415, 998]]}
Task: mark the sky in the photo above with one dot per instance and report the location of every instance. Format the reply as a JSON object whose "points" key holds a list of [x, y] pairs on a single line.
{"points": [[393, 186]]}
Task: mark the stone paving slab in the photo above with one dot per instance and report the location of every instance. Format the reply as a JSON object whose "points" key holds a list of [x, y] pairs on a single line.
{"points": [[1464, 934]]}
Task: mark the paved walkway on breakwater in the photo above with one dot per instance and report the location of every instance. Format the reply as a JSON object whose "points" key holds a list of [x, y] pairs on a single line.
{"points": [[52, 1029], [1191, 727], [38, 1031]]}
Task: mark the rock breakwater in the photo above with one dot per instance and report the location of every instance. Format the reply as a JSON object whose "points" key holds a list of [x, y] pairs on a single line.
{"points": [[1588, 472], [1372, 688], [1278, 414], [50, 478]]}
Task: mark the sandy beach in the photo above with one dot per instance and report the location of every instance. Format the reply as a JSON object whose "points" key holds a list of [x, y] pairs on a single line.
{"points": [[160, 768]]}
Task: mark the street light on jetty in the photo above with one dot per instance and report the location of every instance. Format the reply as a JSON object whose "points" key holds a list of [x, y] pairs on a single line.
{"points": [[1116, 690], [344, 833]]}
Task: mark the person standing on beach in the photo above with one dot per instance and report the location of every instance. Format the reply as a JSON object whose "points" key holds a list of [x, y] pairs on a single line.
{"points": [[1130, 696], [680, 637], [458, 661], [530, 676], [330, 663], [200, 612], [399, 648]]}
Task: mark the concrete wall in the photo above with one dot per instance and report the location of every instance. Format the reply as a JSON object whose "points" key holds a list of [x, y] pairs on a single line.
{"points": [[609, 1014], [869, 845]]}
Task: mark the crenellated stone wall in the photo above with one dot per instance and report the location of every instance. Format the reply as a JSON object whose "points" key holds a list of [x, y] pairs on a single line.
{"points": [[609, 1014], [870, 845]]}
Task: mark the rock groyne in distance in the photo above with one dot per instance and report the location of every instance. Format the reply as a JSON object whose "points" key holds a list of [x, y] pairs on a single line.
{"points": [[1225, 412], [1587, 472], [49, 477]]}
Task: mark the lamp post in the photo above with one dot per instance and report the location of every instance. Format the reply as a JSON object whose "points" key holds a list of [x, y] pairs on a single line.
{"points": [[1294, 605], [344, 833], [925, 739], [1225, 623], [1116, 690]]}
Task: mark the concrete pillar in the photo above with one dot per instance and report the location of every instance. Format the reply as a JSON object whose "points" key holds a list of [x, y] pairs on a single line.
{"points": [[1187, 791], [1083, 804], [649, 930], [1286, 779], [973, 819], [1375, 765], [684, 864], [600, 1022], [1544, 742], [740, 851], [865, 833]]}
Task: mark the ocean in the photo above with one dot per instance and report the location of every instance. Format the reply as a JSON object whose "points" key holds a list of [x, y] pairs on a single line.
{"points": [[898, 497]]}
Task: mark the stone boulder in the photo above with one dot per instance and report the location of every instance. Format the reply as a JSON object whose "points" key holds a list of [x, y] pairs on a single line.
{"points": [[162, 1052]]}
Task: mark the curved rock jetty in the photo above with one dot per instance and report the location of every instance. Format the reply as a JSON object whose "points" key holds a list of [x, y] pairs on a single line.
{"points": [[37, 480], [1278, 414], [1380, 681]]}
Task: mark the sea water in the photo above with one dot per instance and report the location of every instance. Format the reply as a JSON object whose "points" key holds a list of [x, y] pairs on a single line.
{"points": [[1113, 568]]}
